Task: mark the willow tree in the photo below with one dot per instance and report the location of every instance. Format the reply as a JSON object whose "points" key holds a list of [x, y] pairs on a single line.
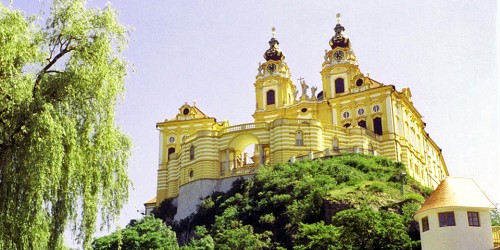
{"points": [[63, 159]]}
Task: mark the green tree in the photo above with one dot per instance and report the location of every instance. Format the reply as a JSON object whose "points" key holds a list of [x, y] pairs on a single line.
{"points": [[230, 233], [366, 228], [495, 216], [316, 236], [204, 241], [62, 157], [289, 201], [147, 233]]}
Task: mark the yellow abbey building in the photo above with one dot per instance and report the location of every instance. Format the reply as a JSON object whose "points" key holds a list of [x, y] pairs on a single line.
{"points": [[352, 113]]}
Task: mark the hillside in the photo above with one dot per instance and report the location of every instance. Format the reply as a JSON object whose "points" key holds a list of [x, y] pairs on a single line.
{"points": [[345, 202]]}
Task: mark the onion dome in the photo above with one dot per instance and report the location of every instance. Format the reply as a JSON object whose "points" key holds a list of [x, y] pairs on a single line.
{"points": [[339, 39], [274, 52]]}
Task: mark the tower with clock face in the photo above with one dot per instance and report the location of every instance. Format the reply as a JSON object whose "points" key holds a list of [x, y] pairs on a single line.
{"points": [[352, 113], [340, 70], [274, 89]]}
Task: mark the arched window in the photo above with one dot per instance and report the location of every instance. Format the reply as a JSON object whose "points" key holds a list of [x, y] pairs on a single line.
{"points": [[270, 97], [335, 144], [339, 85], [362, 123], [171, 151], [377, 125], [191, 153], [299, 140]]}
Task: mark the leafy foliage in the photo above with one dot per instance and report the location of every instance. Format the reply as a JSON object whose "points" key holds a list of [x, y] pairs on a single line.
{"points": [[495, 216], [229, 233], [204, 241], [151, 233], [60, 150], [165, 211], [287, 205], [317, 236], [366, 228], [148, 233]]}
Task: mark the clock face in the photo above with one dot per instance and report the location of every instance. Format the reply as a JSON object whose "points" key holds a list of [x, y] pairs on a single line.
{"points": [[338, 55], [271, 68]]}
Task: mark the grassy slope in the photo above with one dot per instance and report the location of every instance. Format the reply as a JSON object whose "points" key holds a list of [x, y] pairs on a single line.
{"points": [[282, 197]]}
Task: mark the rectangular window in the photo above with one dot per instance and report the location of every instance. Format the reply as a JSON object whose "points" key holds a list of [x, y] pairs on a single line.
{"points": [[377, 126], [299, 140], [425, 224], [473, 219], [270, 97], [191, 153], [446, 219]]}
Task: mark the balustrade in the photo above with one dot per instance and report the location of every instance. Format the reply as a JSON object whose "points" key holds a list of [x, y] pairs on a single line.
{"points": [[496, 235]]}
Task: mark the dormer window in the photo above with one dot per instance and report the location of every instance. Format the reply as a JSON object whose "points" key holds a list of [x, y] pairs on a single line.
{"points": [[185, 111]]}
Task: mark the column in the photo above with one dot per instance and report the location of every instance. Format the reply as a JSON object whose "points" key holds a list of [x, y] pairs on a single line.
{"points": [[261, 154]]}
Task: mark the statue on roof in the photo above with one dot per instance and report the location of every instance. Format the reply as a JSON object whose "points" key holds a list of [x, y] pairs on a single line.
{"points": [[304, 87], [313, 92]]}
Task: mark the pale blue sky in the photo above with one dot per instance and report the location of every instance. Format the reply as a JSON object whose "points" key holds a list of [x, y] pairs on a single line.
{"points": [[208, 51]]}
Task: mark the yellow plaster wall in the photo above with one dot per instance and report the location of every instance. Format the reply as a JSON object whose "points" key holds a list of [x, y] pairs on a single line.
{"points": [[275, 128]]}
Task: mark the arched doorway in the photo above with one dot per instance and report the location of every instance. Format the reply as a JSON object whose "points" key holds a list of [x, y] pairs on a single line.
{"points": [[243, 154]]}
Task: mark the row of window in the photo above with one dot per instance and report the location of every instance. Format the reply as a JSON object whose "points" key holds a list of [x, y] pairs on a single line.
{"points": [[447, 219], [339, 88], [299, 141], [171, 150], [377, 125], [339, 85], [361, 111]]}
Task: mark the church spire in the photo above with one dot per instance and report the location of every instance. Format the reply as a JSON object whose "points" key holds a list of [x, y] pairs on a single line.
{"points": [[339, 39], [274, 52]]}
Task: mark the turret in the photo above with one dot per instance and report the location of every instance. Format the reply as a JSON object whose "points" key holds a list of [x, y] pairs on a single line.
{"points": [[340, 72], [274, 88]]}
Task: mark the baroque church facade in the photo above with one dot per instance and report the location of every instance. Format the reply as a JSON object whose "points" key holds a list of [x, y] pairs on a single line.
{"points": [[351, 114]]}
